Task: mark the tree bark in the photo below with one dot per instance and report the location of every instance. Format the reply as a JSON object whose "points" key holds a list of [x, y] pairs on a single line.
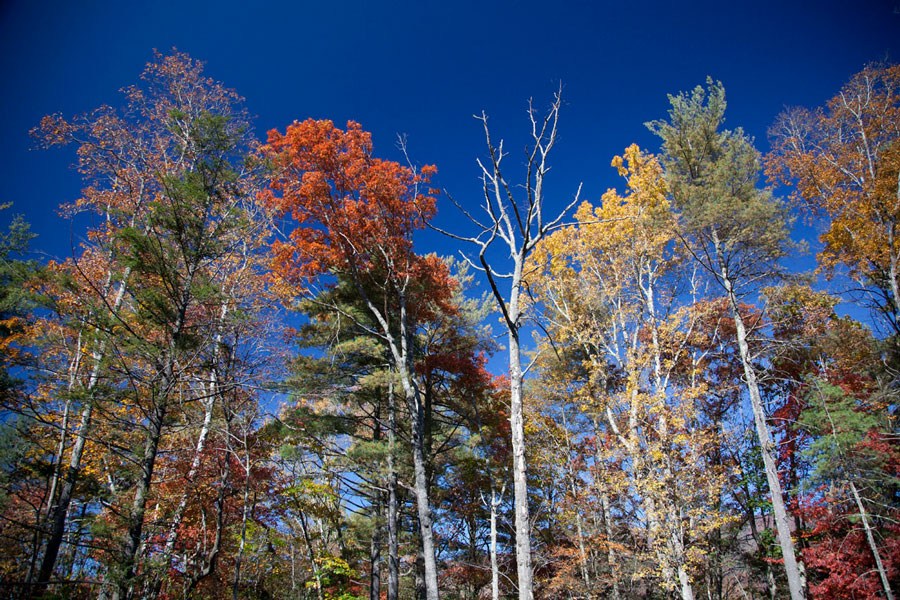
{"points": [[393, 592], [882, 574], [375, 545], [796, 582], [138, 507], [610, 553], [375, 564], [420, 482], [579, 530], [495, 567], [520, 475], [245, 516], [312, 556]]}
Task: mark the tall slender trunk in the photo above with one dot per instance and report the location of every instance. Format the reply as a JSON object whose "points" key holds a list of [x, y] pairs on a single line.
{"points": [[610, 552], [293, 566], [495, 566], [607, 516], [400, 346], [782, 524], [421, 591], [74, 372], [863, 515], [673, 517], [247, 508], [375, 564], [496, 499], [754, 532], [178, 515], [687, 591], [795, 578], [656, 538], [139, 504], [63, 434], [57, 461], [520, 476], [375, 545], [420, 485], [392, 512], [579, 530], [311, 553]]}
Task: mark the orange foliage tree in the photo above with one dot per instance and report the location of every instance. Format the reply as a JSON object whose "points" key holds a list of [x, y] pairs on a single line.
{"points": [[354, 216], [844, 160]]}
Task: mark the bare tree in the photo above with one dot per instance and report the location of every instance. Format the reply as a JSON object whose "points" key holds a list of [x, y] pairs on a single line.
{"points": [[518, 225]]}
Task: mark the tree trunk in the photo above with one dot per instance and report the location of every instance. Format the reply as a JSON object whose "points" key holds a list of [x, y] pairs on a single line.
{"points": [[172, 535], [139, 505], [375, 565], [400, 345], [421, 592], [392, 513], [420, 483], [375, 545], [520, 478], [579, 530], [495, 568], [795, 578], [212, 556], [245, 515], [673, 517], [885, 584], [687, 592], [610, 553], [607, 517], [312, 556]]}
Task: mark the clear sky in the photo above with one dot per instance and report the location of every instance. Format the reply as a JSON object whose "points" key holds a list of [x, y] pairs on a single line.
{"points": [[424, 68]]}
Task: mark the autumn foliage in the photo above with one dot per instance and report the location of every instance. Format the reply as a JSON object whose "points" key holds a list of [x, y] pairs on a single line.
{"points": [[354, 212], [248, 380]]}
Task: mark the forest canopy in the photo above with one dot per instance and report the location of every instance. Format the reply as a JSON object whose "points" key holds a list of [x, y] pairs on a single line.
{"points": [[250, 380]]}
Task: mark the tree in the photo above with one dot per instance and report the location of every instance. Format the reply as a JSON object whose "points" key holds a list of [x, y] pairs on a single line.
{"points": [[355, 216], [737, 233], [836, 427], [619, 346], [21, 436], [167, 179], [177, 265], [519, 225], [844, 161], [15, 303], [843, 456], [344, 389]]}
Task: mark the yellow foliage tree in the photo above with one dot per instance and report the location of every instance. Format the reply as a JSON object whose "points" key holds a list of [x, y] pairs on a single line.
{"points": [[609, 289]]}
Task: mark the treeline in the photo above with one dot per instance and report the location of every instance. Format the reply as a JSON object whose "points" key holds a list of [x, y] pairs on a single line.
{"points": [[248, 383]]}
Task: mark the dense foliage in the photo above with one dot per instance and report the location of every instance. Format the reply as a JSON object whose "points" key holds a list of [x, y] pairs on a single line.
{"points": [[248, 382]]}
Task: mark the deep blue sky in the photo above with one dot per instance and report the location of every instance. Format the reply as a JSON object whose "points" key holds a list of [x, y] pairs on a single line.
{"points": [[424, 68]]}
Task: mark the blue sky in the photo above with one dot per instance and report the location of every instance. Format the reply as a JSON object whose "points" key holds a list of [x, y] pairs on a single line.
{"points": [[423, 69]]}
